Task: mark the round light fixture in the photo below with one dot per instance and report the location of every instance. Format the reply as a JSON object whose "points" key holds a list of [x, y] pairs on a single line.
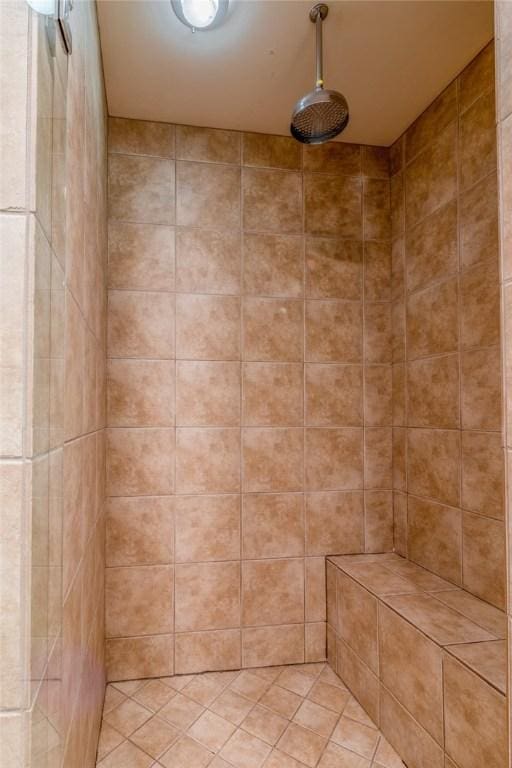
{"points": [[200, 14]]}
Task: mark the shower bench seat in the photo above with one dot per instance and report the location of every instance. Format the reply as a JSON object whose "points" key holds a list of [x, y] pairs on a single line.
{"points": [[425, 659]]}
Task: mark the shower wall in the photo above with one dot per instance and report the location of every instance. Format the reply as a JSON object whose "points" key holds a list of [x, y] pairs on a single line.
{"points": [[503, 26], [447, 435], [52, 399], [249, 391]]}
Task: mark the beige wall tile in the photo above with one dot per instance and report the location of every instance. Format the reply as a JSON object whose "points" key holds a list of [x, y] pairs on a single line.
{"points": [[334, 459], [315, 596], [207, 327], [272, 592], [397, 187], [273, 265], [475, 716], [399, 458], [267, 646], [272, 525], [432, 320], [273, 394], [273, 459], [375, 162], [363, 683], [273, 330], [130, 657], [409, 739], [129, 613], [207, 144], [480, 317], [140, 393], [207, 460], [378, 457], [415, 675], [151, 451], [207, 261], [334, 268], [478, 140], [478, 224], [482, 473], [431, 178], [358, 620], [431, 248], [141, 324], [399, 394], [140, 137], [431, 122], [334, 332], [481, 389], [434, 464], [400, 523], [216, 650], [484, 558], [139, 531], [141, 189], [315, 642], [378, 335], [207, 528], [207, 596], [378, 395], [271, 151], [207, 195], [477, 77], [377, 270], [398, 331], [433, 392], [334, 522], [333, 205], [331, 157], [378, 521], [272, 201], [376, 207], [334, 395], [434, 537], [207, 393]]}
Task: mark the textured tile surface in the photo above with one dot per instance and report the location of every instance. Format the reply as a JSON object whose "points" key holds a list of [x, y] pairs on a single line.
{"points": [[276, 717]]}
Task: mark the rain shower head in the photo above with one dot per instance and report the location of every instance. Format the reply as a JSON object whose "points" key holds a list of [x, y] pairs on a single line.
{"points": [[321, 114]]}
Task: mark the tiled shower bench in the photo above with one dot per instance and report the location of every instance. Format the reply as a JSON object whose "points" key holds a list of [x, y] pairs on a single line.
{"points": [[426, 660]]}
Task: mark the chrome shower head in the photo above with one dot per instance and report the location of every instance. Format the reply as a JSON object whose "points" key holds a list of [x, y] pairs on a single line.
{"points": [[321, 114]]}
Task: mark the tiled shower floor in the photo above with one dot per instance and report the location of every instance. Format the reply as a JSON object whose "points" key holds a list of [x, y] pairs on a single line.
{"points": [[277, 717]]}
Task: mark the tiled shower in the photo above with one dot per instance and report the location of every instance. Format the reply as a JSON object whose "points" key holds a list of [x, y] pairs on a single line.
{"points": [[225, 358]]}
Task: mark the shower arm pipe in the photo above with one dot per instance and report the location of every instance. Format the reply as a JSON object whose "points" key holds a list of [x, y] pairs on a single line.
{"points": [[319, 52]]}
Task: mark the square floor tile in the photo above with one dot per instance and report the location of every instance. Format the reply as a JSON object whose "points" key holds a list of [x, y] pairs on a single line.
{"points": [[356, 736], [316, 718], [338, 757], [155, 736], [127, 717], [154, 695], [302, 744], [245, 750], [181, 711], [280, 700], [232, 706], [296, 681], [329, 696], [126, 756], [186, 753], [204, 689], [278, 759], [250, 685], [109, 739], [265, 724], [211, 730]]}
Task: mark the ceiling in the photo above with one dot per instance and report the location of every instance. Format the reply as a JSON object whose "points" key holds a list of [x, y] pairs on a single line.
{"points": [[389, 58]]}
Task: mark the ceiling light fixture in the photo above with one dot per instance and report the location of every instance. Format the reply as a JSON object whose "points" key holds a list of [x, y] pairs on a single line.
{"points": [[200, 15]]}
